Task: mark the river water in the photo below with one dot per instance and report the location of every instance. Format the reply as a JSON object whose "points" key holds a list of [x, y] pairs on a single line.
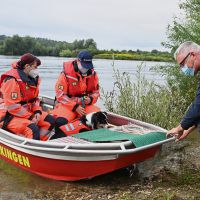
{"points": [[17, 184], [52, 66]]}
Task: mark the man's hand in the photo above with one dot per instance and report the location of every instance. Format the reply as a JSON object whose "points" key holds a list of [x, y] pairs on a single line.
{"points": [[177, 132], [87, 100], [36, 118], [185, 133], [80, 110]]}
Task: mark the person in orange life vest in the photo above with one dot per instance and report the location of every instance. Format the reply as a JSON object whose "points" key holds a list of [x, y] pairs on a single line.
{"points": [[20, 88], [77, 90]]}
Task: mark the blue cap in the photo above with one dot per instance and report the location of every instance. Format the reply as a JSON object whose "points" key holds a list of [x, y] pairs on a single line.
{"points": [[86, 59]]}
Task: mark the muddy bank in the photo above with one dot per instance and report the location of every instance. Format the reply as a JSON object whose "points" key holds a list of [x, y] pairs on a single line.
{"points": [[173, 174]]}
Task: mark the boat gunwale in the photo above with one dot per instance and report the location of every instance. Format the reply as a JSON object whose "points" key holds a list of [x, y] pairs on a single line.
{"points": [[85, 151], [86, 148]]}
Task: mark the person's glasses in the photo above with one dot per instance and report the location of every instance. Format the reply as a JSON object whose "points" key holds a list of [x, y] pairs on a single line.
{"points": [[183, 61]]}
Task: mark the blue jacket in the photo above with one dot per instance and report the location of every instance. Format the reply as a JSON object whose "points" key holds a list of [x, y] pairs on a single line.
{"points": [[192, 117]]}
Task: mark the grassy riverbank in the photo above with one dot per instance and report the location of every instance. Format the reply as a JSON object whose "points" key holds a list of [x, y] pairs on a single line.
{"points": [[144, 56]]}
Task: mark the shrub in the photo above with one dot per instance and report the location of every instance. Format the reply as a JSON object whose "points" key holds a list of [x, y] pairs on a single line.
{"points": [[145, 100]]}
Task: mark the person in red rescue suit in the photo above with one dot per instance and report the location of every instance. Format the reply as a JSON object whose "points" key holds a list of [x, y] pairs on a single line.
{"points": [[77, 90], [20, 112]]}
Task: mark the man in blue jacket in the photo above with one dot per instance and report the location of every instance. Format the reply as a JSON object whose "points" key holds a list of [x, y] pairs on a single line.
{"points": [[188, 57]]}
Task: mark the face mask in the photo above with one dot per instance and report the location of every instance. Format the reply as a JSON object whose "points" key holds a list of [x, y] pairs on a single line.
{"points": [[188, 71], [34, 73], [82, 69]]}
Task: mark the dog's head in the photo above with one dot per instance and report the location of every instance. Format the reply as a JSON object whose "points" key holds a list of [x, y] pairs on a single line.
{"points": [[95, 120]]}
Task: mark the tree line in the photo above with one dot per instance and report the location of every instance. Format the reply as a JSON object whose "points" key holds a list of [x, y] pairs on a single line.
{"points": [[17, 45]]}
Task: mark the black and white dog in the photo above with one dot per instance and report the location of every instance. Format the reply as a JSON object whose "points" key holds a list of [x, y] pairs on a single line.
{"points": [[87, 122], [95, 120]]}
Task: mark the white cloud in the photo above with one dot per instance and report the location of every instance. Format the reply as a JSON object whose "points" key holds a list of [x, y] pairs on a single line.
{"points": [[118, 24]]}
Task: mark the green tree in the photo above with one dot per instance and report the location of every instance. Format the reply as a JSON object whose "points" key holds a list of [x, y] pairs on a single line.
{"points": [[28, 45], [65, 53], [90, 44], [154, 51], [186, 27], [1, 49], [8, 46], [78, 44]]}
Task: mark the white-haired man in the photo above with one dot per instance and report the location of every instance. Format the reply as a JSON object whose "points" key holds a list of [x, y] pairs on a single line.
{"points": [[188, 57]]}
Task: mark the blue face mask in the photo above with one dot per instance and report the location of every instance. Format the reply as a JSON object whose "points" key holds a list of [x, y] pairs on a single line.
{"points": [[188, 71]]}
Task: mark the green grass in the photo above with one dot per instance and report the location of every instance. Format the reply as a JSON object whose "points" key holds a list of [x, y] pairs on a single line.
{"points": [[136, 56]]}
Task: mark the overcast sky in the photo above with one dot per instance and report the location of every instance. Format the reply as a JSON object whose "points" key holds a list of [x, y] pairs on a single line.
{"points": [[117, 24]]}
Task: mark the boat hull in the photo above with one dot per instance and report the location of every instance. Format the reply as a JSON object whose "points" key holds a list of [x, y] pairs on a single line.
{"points": [[71, 170]]}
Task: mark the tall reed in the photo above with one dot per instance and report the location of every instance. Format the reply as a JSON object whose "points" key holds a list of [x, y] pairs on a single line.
{"points": [[144, 100]]}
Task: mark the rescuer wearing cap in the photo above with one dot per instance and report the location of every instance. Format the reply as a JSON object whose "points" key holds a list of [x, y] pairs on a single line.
{"points": [[77, 90], [22, 113]]}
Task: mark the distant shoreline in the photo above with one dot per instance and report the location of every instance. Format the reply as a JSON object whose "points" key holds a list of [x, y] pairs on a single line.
{"points": [[136, 57], [17, 45]]}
